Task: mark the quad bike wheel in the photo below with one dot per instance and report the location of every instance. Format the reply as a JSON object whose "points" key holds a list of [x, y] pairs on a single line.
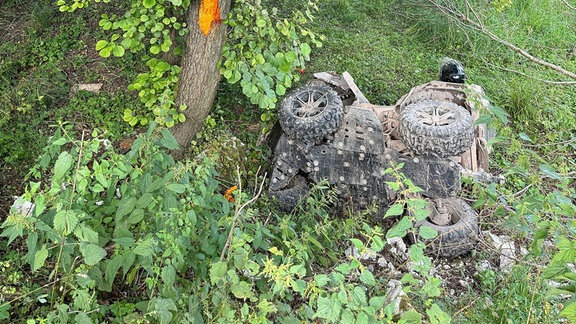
{"points": [[438, 128], [311, 112], [289, 196], [456, 224]]}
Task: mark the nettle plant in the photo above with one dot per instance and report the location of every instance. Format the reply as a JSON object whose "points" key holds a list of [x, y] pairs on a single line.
{"points": [[264, 51], [105, 220]]}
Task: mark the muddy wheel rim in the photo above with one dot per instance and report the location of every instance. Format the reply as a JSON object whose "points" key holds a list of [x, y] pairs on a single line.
{"points": [[310, 103], [436, 116]]}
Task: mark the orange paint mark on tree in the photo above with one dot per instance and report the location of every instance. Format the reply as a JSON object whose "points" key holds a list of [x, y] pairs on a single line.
{"points": [[209, 15]]}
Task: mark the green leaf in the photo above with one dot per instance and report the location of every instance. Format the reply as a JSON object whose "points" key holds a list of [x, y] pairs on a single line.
{"points": [[92, 253], [164, 308], [4, 311], [126, 206], [525, 137], [357, 243], [101, 44], [176, 187], [148, 3], [218, 272], [260, 22], [118, 51], [65, 221], [437, 315], [155, 49], [329, 308], [410, 317], [550, 172], [377, 244], [168, 274], [40, 205], [569, 312], [427, 233], [242, 290], [321, 280], [305, 49], [367, 277], [63, 164], [82, 318], [176, 2], [112, 267], [40, 258], [106, 51], [395, 210], [400, 229], [86, 234], [359, 296], [168, 141], [135, 216]]}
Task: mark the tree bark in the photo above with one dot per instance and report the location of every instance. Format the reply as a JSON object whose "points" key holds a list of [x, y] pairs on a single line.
{"points": [[199, 74]]}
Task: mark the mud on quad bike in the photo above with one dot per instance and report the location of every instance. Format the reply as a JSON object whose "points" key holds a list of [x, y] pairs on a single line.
{"points": [[330, 131]]}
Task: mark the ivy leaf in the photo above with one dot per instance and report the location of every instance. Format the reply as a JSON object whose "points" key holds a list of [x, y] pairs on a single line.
{"points": [[40, 258], [92, 253], [62, 166], [427, 232]]}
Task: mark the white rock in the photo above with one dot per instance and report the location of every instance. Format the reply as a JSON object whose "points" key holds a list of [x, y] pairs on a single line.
{"points": [[23, 207]]}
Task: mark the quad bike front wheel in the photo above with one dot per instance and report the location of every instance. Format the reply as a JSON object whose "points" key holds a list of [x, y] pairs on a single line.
{"points": [[456, 224], [437, 128], [311, 112]]}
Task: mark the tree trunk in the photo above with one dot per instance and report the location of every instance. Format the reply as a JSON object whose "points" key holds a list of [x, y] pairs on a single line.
{"points": [[199, 74]]}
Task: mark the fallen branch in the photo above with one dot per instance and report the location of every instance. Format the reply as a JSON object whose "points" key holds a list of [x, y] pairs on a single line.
{"points": [[464, 20], [531, 77], [569, 5]]}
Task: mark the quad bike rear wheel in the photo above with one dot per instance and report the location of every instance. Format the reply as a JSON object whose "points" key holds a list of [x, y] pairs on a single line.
{"points": [[289, 196], [456, 224], [438, 128], [311, 112]]}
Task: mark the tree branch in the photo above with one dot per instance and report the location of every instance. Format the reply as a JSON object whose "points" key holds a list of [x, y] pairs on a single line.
{"points": [[569, 5], [460, 18]]}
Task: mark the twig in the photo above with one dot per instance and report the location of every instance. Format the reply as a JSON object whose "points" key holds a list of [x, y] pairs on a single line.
{"points": [[569, 5], [238, 209], [465, 21], [531, 77]]}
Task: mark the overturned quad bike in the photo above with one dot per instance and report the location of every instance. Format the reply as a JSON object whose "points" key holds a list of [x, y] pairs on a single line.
{"points": [[330, 131]]}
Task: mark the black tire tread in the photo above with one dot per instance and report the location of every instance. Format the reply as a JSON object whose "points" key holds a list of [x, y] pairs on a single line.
{"points": [[442, 141], [315, 127]]}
